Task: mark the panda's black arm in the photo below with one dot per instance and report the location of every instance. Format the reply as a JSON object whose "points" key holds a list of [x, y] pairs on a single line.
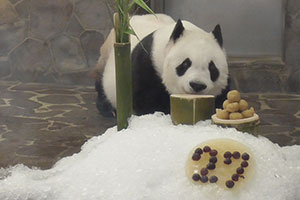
{"points": [[103, 105], [149, 93]]}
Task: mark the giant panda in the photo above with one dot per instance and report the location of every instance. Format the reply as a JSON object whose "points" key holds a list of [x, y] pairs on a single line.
{"points": [[168, 57]]}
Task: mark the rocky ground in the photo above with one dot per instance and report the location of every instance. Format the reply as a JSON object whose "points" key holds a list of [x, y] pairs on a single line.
{"points": [[41, 123]]}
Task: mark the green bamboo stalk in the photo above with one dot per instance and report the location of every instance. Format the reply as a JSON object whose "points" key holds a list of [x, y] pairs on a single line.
{"points": [[123, 76], [122, 59], [122, 18], [123, 84]]}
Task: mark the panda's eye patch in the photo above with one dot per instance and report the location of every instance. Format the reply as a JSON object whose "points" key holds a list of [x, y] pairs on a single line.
{"points": [[183, 67], [214, 72]]}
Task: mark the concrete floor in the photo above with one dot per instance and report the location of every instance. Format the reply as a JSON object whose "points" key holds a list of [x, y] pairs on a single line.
{"points": [[41, 123]]}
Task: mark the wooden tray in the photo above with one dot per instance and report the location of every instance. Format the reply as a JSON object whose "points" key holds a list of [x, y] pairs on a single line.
{"points": [[249, 125]]}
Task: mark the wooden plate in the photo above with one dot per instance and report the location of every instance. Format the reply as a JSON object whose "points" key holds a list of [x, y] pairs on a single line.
{"points": [[216, 120], [249, 125]]}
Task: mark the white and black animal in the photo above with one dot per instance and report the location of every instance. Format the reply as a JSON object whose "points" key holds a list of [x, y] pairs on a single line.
{"points": [[174, 58]]}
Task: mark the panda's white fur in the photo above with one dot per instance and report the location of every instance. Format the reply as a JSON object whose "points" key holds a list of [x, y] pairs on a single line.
{"points": [[143, 25], [194, 43], [201, 47]]}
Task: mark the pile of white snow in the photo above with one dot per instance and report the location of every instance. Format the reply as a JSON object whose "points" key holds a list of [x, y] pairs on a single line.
{"points": [[147, 162]]}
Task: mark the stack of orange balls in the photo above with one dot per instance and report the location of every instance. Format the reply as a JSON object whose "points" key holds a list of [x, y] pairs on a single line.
{"points": [[235, 107]]}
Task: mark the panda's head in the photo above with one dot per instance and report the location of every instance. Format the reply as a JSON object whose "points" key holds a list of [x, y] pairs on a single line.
{"points": [[195, 61]]}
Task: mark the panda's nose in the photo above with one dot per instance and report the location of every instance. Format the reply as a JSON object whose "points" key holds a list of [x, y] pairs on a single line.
{"points": [[197, 87]]}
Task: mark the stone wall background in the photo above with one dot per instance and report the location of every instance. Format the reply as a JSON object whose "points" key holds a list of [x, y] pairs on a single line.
{"points": [[57, 41], [292, 42], [51, 41], [269, 74]]}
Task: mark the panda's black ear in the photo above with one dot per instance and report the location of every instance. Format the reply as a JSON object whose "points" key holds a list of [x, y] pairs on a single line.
{"points": [[218, 35], [178, 31]]}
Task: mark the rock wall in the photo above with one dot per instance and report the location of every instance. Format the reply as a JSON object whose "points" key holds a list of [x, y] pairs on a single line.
{"points": [[267, 75], [57, 41], [51, 41], [292, 42]]}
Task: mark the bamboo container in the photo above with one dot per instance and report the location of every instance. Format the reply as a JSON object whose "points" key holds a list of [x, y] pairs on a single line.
{"points": [[189, 109]]}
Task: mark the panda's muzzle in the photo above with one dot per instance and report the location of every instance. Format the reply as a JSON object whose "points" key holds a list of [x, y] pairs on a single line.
{"points": [[197, 87]]}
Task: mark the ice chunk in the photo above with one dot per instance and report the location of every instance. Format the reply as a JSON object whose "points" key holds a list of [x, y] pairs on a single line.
{"points": [[147, 162]]}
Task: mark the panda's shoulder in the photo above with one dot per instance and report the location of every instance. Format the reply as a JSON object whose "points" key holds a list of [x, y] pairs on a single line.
{"points": [[144, 47], [157, 18]]}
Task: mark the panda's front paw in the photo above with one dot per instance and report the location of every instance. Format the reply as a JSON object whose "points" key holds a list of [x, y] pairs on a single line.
{"points": [[105, 108]]}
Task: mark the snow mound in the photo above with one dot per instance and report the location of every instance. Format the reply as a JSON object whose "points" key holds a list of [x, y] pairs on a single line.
{"points": [[147, 162]]}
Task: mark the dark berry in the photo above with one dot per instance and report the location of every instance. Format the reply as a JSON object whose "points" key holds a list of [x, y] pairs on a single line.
{"points": [[240, 170], [244, 164], [227, 154], [204, 171], [235, 177], [196, 177], [245, 156], [196, 156], [206, 149], [199, 150], [227, 161], [204, 179], [229, 184], [236, 155], [213, 152], [213, 159], [213, 179], [211, 166]]}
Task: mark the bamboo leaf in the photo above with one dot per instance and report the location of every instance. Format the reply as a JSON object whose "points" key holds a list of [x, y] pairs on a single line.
{"points": [[134, 33], [121, 10], [131, 4], [143, 5], [131, 32]]}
